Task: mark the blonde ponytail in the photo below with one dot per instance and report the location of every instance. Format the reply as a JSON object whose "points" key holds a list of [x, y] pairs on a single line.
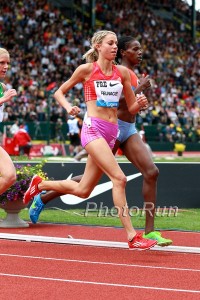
{"points": [[92, 54]]}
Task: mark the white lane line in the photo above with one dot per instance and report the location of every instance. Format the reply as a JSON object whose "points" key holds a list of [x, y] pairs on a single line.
{"points": [[96, 243], [100, 283], [98, 262]]}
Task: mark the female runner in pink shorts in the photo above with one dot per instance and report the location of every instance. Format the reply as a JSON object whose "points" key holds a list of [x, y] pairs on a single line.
{"points": [[103, 82]]}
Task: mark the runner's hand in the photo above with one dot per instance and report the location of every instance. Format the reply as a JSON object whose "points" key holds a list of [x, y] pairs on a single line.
{"points": [[8, 95], [74, 110], [145, 82], [142, 101]]}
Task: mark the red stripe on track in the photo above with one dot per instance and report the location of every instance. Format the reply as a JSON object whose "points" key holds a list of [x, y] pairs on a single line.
{"points": [[89, 272], [134, 278], [52, 290]]}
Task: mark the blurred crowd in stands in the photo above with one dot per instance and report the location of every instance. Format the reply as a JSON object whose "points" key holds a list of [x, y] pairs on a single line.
{"points": [[46, 47]]}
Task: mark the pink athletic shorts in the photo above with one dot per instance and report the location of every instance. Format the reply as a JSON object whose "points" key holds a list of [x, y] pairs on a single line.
{"points": [[95, 128]]}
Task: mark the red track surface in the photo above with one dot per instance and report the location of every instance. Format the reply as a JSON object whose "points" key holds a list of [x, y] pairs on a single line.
{"points": [[191, 239], [31, 270]]}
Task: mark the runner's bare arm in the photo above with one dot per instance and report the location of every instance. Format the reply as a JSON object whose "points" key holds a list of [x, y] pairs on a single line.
{"points": [[134, 105], [78, 76]]}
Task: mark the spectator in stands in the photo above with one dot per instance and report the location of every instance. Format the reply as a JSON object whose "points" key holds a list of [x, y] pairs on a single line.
{"points": [[74, 127], [14, 128], [23, 141], [59, 137], [171, 57], [169, 133]]}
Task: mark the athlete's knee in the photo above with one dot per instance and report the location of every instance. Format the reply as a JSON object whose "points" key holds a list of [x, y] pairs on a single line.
{"points": [[120, 180], [84, 192], [152, 173]]}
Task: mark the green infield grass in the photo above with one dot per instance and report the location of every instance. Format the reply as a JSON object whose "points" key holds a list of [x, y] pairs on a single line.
{"points": [[163, 158], [182, 219]]}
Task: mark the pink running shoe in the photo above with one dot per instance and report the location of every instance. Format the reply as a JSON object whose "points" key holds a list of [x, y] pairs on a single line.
{"points": [[33, 189], [139, 243]]}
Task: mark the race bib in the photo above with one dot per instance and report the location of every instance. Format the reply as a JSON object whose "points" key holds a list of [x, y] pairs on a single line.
{"points": [[108, 92]]}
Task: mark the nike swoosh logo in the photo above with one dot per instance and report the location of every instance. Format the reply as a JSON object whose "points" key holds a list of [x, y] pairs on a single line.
{"points": [[113, 84], [99, 189]]}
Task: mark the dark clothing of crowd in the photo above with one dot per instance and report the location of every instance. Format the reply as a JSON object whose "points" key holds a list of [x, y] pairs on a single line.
{"points": [[46, 47]]}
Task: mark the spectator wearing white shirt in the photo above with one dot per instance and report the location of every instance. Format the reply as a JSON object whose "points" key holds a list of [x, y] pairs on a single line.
{"points": [[74, 126]]}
